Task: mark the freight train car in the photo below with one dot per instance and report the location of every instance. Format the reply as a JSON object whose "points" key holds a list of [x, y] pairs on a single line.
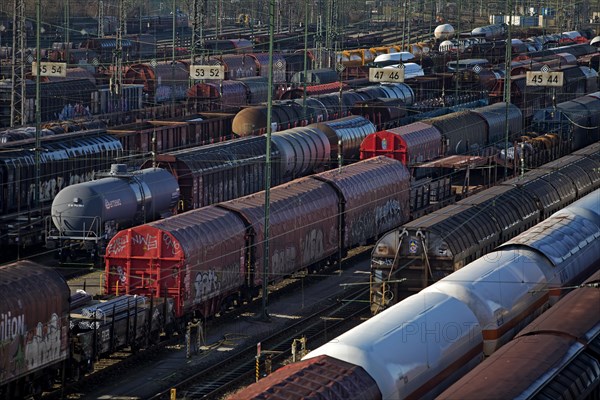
{"points": [[65, 160], [34, 341], [219, 172], [51, 335], [150, 137], [446, 135], [228, 95], [54, 100], [94, 211], [288, 114], [163, 81], [428, 248], [577, 121], [49, 129], [211, 257], [553, 357], [469, 132], [423, 344]]}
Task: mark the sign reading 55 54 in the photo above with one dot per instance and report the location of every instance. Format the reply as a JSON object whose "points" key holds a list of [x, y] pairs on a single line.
{"points": [[50, 69], [207, 72]]}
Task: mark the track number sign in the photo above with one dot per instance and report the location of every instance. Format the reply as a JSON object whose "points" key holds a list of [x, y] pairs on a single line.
{"points": [[50, 69], [207, 72], [386, 75], [539, 78]]}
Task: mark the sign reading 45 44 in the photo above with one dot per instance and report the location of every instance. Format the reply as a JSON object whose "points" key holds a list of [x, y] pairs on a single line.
{"points": [[540, 78]]}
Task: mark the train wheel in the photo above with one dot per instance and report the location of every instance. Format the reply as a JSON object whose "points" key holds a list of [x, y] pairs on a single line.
{"points": [[246, 296], [77, 373], [64, 255]]}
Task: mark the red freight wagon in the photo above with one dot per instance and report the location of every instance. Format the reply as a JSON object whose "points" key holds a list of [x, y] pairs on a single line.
{"points": [[320, 377], [410, 144], [196, 258]]}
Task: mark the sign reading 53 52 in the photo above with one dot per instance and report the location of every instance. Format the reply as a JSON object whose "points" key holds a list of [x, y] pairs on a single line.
{"points": [[207, 72]]}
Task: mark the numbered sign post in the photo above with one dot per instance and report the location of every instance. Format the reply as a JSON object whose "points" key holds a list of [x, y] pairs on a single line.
{"points": [[207, 72], [50, 69], [541, 78], [386, 74]]}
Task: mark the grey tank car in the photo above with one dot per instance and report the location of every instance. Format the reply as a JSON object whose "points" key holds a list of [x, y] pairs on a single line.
{"points": [[87, 213]]}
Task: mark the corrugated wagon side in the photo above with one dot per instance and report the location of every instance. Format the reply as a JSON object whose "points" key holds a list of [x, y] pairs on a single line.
{"points": [[196, 258], [303, 226], [219, 172], [34, 327], [374, 195], [410, 144]]}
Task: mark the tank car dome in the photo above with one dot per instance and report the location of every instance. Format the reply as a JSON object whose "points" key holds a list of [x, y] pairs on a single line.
{"points": [[445, 31], [595, 41], [248, 120], [447, 45]]}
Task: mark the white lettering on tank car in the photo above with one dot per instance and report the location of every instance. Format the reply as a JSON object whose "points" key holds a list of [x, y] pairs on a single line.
{"points": [[108, 204]]}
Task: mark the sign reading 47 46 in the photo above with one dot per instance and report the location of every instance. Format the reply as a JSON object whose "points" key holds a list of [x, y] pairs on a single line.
{"points": [[540, 78], [207, 72], [386, 74]]}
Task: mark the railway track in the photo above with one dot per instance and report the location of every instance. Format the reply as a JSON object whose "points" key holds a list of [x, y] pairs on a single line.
{"points": [[240, 368], [236, 370]]}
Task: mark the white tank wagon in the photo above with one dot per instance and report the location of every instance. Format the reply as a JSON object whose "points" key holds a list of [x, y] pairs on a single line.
{"points": [[490, 32], [444, 32], [86, 215]]}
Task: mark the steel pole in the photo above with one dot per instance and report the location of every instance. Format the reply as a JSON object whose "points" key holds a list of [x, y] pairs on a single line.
{"points": [[267, 255], [38, 111]]}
